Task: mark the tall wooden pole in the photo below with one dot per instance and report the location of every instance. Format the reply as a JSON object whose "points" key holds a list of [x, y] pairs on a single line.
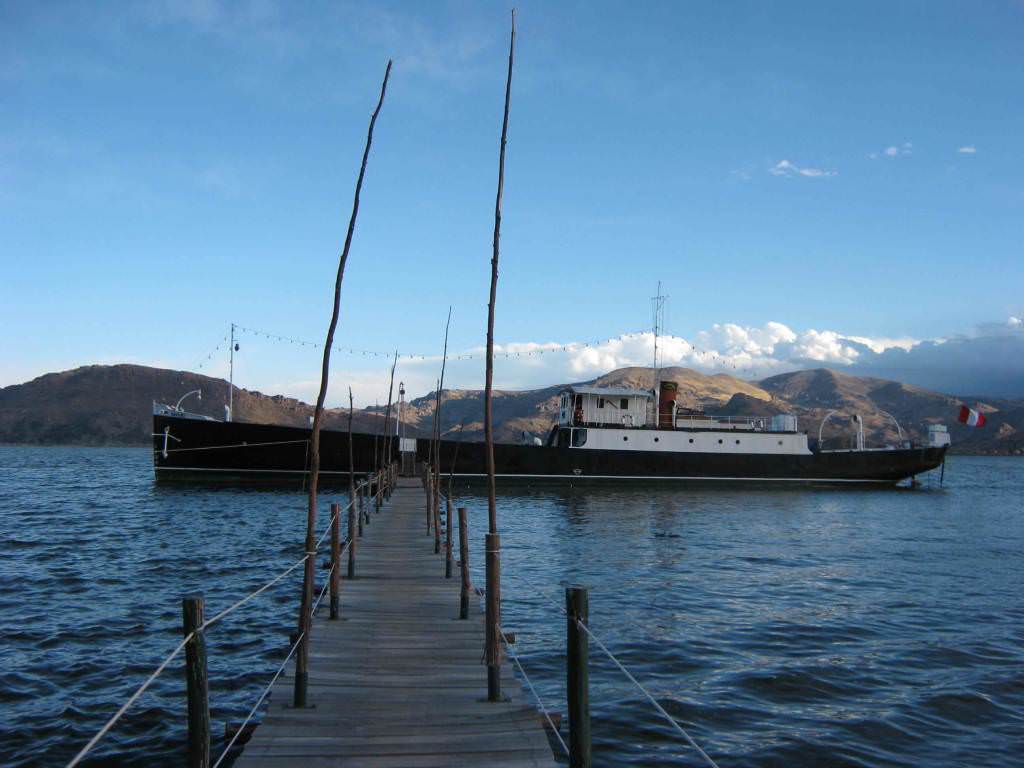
{"points": [[432, 457], [435, 496], [577, 672], [386, 448], [305, 618], [451, 500], [493, 563], [351, 455], [437, 439], [197, 683]]}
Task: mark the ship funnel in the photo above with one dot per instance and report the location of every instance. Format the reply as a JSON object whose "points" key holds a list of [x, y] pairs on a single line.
{"points": [[667, 405]]}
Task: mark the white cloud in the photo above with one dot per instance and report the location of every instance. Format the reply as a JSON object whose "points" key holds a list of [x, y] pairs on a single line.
{"points": [[881, 344], [787, 168], [894, 150], [970, 149]]}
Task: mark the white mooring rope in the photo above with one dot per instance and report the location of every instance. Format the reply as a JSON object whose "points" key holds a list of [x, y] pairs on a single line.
{"points": [[533, 690], [635, 682], [131, 700], [205, 625], [259, 701], [646, 693]]}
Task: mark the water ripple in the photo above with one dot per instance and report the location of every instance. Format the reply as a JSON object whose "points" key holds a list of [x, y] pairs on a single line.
{"points": [[780, 627]]}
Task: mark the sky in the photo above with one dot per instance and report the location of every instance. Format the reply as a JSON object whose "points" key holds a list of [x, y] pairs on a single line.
{"points": [[811, 183]]}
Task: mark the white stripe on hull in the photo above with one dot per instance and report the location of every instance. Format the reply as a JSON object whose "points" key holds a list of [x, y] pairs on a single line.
{"points": [[561, 477]]}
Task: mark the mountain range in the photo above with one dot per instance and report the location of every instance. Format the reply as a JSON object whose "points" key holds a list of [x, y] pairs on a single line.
{"points": [[112, 405]]}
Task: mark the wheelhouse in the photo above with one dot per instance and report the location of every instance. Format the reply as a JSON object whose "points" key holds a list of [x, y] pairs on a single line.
{"points": [[585, 406]]}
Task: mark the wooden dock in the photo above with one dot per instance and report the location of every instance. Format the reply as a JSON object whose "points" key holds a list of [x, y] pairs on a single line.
{"points": [[399, 680]]}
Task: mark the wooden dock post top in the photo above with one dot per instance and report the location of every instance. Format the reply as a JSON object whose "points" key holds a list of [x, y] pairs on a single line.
{"points": [[336, 555], [577, 669], [197, 682]]}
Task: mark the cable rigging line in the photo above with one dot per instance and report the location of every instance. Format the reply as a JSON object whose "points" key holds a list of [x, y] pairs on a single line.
{"points": [[675, 724], [181, 645], [529, 683]]}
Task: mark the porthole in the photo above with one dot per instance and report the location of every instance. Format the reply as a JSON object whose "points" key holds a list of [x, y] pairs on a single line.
{"points": [[780, 442], [737, 442], [655, 439], [719, 441], [625, 438], [691, 439]]}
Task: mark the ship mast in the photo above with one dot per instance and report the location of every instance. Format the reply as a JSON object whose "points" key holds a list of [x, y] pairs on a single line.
{"points": [[658, 314], [658, 318], [231, 376]]}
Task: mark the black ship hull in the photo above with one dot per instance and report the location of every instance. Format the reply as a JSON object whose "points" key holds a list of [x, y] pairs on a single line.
{"points": [[190, 448]]}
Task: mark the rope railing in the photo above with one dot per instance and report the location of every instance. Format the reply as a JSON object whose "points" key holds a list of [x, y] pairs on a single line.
{"points": [[232, 608], [256, 706], [672, 721], [533, 690], [346, 508], [381, 477], [131, 700], [266, 690]]}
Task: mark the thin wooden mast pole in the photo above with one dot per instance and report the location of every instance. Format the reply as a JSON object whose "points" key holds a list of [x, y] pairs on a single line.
{"points": [[492, 651], [387, 417], [351, 457], [437, 438], [305, 617], [432, 469], [376, 454], [428, 476]]}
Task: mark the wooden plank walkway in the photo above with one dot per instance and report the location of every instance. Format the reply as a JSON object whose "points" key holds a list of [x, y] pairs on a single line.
{"points": [[399, 680]]}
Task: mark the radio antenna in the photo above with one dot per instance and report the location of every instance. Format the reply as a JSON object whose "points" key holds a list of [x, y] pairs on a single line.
{"points": [[658, 318]]}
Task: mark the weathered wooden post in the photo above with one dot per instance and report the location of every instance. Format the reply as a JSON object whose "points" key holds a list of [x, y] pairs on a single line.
{"points": [[426, 490], [308, 575], [352, 541], [464, 564], [492, 547], [492, 649], [577, 652], [198, 683], [437, 520], [448, 539], [335, 557]]}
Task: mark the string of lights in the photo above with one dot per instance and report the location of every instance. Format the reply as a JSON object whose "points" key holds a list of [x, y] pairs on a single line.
{"points": [[213, 352], [512, 351]]}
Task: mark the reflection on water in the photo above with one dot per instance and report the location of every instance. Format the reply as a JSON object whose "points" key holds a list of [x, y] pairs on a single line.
{"points": [[797, 627]]}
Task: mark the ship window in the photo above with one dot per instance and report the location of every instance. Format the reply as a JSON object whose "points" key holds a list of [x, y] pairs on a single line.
{"points": [[780, 442], [737, 442], [624, 404], [625, 438], [600, 402], [579, 438], [656, 440], [691, 439], [719, 442]]}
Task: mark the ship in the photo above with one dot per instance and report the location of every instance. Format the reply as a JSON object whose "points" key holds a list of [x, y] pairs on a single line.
{"points": [[602, 434]]}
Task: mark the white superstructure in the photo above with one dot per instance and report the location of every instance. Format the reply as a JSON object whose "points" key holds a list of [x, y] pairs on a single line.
{"points": [[616, 418]]}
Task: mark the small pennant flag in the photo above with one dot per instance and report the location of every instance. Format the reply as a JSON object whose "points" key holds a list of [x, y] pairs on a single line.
{"points": [[971, 417]]}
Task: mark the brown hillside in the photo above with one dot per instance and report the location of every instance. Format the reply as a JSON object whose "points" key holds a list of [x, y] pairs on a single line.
{"points": [[111, 405]]}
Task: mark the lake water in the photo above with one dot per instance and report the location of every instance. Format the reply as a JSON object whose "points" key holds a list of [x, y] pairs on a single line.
{"points": [[780, 627]]}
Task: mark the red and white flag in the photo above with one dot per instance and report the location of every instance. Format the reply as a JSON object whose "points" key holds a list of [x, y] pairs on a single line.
{"points": [[971, 417]]}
